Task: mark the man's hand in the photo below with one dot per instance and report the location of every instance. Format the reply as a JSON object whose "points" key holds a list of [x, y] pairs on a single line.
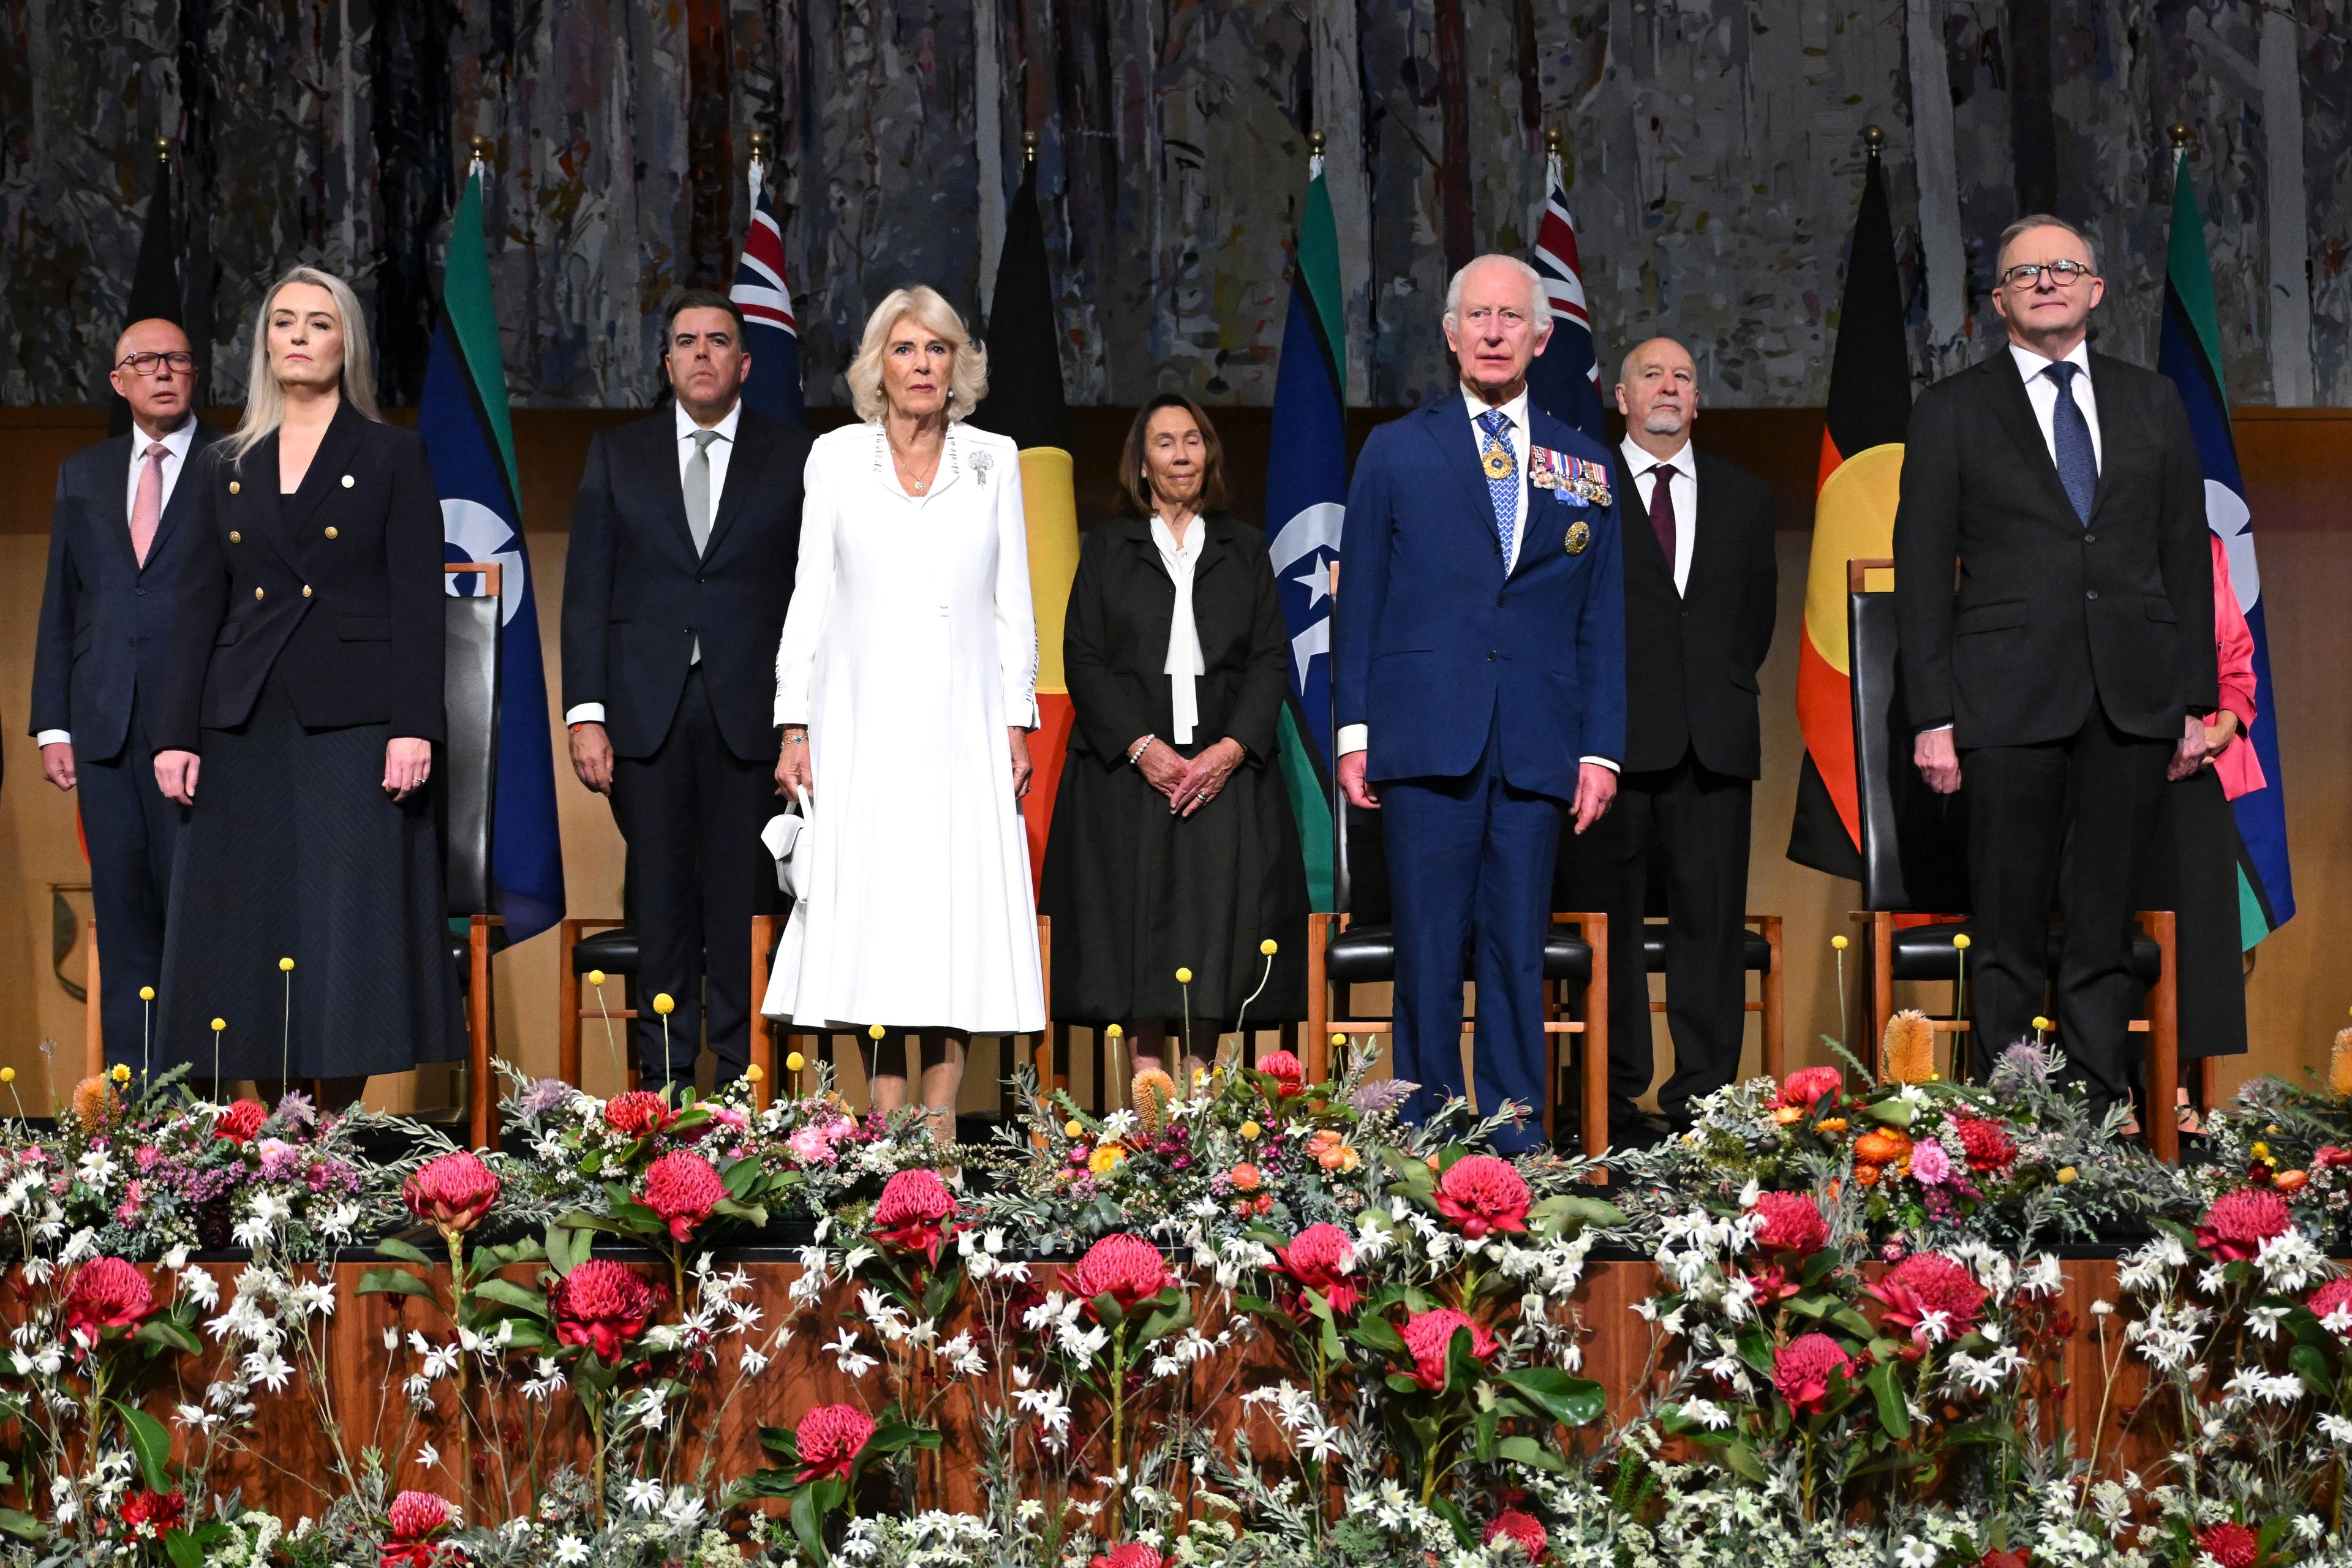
{"points": [[1351, 782], [1205, 776], [795, 774], [1018, 738], [175, 776], [1163, 770], [2190, 753], [58, 764], [1596, 788], [1939, 761], [591, 757], [407, 764]]}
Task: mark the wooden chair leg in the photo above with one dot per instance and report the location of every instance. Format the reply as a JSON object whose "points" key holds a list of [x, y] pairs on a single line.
{"points": [[93, 1031], [763, 1033], [1775, 1048], [2163, 1040], [1882, 989], [1318, 1001], [567, 1011], [1593, 1115], [480, 1093]]}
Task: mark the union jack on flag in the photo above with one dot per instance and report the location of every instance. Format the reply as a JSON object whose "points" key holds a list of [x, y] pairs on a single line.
{"points": [[1565, 380], [766, 301]]}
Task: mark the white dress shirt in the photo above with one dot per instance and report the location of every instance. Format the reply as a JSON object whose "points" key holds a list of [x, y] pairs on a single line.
{"points": [[1639, 463], [175, 457], [2042, 393], [1357, 737], [593, 713], [1185, 664]]}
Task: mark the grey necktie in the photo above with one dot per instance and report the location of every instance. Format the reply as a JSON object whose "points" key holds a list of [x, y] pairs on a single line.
{"points": [[698, 505]]}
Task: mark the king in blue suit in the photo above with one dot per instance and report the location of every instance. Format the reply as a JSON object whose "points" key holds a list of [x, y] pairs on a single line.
{"points": [[1478, 684]]}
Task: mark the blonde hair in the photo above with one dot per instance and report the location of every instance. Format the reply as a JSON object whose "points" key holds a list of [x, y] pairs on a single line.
{"points": [[967, 381], [265, 400]]}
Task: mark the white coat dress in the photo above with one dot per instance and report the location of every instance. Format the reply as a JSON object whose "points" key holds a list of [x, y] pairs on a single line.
{"points": [[907, 651]]}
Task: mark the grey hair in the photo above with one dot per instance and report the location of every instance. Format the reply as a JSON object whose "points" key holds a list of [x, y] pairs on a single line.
{"points": [[967, 371], [265, 400], [2043, 220], [1538, 302]]}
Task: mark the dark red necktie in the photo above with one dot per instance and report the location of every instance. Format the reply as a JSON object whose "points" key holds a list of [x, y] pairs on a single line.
{"points": [[1661, 508]]}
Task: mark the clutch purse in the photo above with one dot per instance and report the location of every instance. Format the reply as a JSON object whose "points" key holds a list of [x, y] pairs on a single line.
{"points": [[788, 837]]}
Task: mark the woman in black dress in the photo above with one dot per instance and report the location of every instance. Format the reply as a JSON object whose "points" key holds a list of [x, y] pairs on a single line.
{"points": [[304, 705], [1172, 843]]}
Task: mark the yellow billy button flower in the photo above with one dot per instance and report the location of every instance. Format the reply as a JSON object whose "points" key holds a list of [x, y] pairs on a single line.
{"points": [[286, 965], [219, 1023], [1840, 942], [1252, 1131], [146, 994], [875, 1032], [1183, 977], [1961, 941], [794, 1062], [7, 1075], [1113, 1033], [2040, 1024], [2066, 1173], [1269, 947], [596, 977], [1338, 1039], [664, 1004], [1074, 1129], [755, 1072]]}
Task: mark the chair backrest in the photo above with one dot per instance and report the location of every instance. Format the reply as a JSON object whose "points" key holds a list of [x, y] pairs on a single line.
{"points": [[470, 760], [1915, 842]]}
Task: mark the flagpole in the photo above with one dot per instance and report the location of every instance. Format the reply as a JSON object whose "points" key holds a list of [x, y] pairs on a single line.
{"points": [[483, 147], [2180, 137], [761, 146], [1314, 156], [1555, 161]]}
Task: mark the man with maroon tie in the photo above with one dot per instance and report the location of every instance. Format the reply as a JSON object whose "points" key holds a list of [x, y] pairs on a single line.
{"points": [[114, 562]]}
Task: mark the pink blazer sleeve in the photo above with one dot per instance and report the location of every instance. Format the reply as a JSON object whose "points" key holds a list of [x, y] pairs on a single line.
{"points": [[2239, 768]]}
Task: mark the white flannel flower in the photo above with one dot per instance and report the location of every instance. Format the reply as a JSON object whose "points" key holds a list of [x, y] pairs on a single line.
{"points": [[642, 1496], [429, 1458]]}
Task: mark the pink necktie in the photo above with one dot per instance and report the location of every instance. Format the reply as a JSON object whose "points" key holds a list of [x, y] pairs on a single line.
{"points": [[147, 506]]}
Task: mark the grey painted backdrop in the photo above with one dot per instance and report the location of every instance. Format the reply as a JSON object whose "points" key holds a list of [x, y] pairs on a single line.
{"points": [[1716, 151]]}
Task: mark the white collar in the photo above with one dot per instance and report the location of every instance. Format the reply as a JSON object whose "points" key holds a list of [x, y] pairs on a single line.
{"points": [[1165, 537], [2031, 364], [1638, 461], [726, 427], [1515, 410], [177, 442]]}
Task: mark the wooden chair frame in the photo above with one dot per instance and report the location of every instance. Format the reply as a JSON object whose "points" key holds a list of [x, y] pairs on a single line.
{"points": [[1594, 1025], [1768, 998], [569, 1012]]}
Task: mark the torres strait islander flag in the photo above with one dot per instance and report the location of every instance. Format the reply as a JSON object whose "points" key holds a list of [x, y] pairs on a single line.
{"points": [[1026, 403], [1305, 503], [1854, 519], [772, 335], [462, 414], [1565, 379], [2188, 351]]}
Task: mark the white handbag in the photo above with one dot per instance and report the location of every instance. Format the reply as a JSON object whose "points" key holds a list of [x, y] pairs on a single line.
{"points": [[788, 839]]}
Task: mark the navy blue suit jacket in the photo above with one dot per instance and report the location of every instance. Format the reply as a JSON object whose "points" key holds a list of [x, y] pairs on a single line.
{"points": [[105, 625], [1431, 641]]}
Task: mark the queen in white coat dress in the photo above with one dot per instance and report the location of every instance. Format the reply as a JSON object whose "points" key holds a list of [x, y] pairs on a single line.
{"points": [[909, 655]]}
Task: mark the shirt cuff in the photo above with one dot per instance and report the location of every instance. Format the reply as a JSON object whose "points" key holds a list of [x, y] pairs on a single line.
{"points": [[1353, 738], [1600, 762], [584, 713], [1935, 729], [54, 737]]}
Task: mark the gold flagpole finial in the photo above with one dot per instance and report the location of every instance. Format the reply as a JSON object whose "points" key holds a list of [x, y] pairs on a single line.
{"points": [[1028, 147], [2180, 136], [1315, 144], [1556, 142], [162, 149], [1874, 139], [483, 148], [762, 147]]}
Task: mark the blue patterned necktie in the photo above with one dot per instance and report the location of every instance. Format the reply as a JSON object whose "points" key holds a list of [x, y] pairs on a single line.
{"points": [[2078, 465], [1502, 468]]}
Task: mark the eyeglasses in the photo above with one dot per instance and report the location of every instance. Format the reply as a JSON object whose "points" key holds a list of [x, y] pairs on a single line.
{"points": [[150, 364], [2063, 274]]}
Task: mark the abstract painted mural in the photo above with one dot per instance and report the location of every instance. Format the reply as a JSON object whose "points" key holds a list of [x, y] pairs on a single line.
{"points": [[1714, 149]]}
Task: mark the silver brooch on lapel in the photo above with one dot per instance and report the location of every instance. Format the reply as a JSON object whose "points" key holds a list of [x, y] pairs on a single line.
{"points": [[980, 465]]}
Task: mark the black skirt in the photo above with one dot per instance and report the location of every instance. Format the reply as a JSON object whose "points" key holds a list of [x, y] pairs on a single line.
{"points": [[294, 851], [2190, 865], [1134, 893]]}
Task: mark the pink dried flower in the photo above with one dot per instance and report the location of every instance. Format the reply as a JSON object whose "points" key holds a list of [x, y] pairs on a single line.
{"points": [[1791, 1222], [683, 1188], [452, 1192], [1930, 1164], [1125, 1268], [829, 1438], [603, 1305], [1429, 1336], [1481, 1192], [2238, 1224], [912, 1212], [1319, 1258], [1801, 1371]]}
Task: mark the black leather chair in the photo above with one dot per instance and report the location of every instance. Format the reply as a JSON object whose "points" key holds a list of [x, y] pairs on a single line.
{"points": [[1343, 952], [1915, 862], [469, 783]]}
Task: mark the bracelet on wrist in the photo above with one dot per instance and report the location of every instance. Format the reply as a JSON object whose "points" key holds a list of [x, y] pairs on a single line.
{"points": [[1135, 752]]}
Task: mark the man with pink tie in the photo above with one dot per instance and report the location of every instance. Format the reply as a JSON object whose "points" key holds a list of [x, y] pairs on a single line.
{"points": [[114, 560]]}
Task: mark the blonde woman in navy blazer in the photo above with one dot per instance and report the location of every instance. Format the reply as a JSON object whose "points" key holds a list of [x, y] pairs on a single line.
{"points": [[298, 722]]}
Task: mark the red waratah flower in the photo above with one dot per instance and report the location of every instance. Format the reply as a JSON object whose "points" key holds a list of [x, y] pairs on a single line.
{"points": [[912, 1212], [1429, 1335], [683, 1187], [1289, 1077], [2328, 1156], [1125, 1268], [241, 1121], [1481, 1193], [1791, 1222], [1129, 1555], [638, 1112], [2330, 1299], [452, 1192], [1801, 1371], [1809, 1086], [415, 1515], [1989, 1146], [1928, 1282], [1994, 1559], [2232, 1545], [2238, 1224], [107, 1293], [829, 1438], [1526, 1529], [1319, 1259], [603, 1305], [147, 1515]]}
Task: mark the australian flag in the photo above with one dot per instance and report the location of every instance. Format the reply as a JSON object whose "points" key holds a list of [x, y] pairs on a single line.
{"points": [[1565, 380], [766, 301]]}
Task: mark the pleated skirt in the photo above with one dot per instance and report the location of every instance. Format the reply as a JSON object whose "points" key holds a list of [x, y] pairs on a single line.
{"points": [[294, 851]]}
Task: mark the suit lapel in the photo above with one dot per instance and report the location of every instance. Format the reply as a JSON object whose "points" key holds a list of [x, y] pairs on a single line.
{"points": [[257, 508], [2115, 433], [2016, 412], [746, 461], [661, 464], [329, 468], [1456, 440], [109, 513], [1550, 512], [181, 489]]}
